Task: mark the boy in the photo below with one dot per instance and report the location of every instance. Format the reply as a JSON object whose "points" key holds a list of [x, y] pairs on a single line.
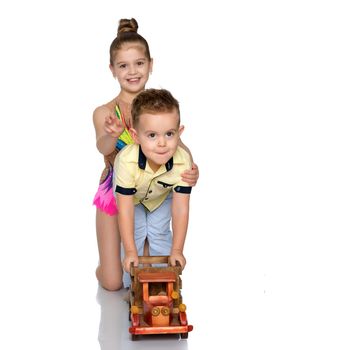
{"points": [[148, 173]]}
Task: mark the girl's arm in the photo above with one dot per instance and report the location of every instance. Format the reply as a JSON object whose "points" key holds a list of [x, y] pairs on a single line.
{"points": [[126, 228], [108, 128], [180, 213]]}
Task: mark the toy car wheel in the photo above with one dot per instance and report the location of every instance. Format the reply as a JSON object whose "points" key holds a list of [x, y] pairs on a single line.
{"points": [[184, 335]]}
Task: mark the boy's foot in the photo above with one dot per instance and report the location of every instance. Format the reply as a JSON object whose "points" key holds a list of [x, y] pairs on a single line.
{"points": [[126, 296]]}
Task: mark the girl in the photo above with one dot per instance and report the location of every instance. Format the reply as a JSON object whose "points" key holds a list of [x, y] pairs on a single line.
{"points": [[131, 64]]}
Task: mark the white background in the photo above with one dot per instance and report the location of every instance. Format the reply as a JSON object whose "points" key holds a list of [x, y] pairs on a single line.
{"points": [[264, 91]]}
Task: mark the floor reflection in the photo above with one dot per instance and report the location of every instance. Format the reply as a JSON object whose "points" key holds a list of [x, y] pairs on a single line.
{"points": [[114, 324]]}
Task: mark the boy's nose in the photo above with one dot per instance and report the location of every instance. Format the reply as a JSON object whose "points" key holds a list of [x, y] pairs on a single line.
{"points": [[161, 141]]}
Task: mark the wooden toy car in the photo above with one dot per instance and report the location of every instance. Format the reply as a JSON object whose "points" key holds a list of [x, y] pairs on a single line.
{"points": [[155, 298]]}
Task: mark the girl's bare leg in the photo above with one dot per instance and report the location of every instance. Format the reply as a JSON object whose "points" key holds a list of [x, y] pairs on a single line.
{"points": [[109, 273], [146, 248]]}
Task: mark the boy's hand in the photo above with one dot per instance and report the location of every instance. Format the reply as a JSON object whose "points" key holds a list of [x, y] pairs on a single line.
{"points": [[177, 256], [128, 259], [113, 126], [191, 176]]}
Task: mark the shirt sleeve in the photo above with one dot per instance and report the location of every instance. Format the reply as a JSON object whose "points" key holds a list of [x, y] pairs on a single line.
{"points": [[124, 176], [181, 186]]}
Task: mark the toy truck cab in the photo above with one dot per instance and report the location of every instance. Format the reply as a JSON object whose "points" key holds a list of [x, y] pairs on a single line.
{"points": [[155, 302]]}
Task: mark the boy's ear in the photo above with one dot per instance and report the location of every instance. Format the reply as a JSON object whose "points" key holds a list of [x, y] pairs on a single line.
{"points": [[181, 129], [133, 133]]}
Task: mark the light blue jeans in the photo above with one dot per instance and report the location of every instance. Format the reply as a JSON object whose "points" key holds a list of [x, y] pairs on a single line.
{"points": [[155, 226]]}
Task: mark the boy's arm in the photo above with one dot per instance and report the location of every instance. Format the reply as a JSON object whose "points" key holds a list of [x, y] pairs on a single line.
{"points": [[126, 228], [180, 215], [181, 144], [190, 175]]}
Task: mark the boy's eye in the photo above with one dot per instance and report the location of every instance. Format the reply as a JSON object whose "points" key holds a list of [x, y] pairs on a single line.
{"points": [[140, 63], [122, 66], [170, 133], [152, 135]]}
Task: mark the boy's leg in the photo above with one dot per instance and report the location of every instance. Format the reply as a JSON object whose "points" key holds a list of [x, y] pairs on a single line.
{"points": [[140, 228], [159, 234]]}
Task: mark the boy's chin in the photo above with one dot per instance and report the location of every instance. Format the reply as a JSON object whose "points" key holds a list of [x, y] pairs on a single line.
{"points": [[159, 161]]}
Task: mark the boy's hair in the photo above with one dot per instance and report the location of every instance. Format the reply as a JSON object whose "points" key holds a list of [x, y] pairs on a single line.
{"points": [[153, 101], [127, 33]]}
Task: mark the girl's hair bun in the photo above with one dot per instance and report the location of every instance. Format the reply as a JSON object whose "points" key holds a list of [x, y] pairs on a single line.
{"points": [[127, 33], [127, 25]]}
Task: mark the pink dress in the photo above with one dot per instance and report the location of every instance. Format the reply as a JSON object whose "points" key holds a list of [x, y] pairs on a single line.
{"points": [[104, 198]]}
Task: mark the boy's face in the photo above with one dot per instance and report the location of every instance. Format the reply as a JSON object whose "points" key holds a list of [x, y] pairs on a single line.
{"points": [[158, 134]]}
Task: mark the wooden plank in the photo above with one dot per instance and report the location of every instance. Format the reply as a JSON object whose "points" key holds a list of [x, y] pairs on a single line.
{"points": [[162, 276], [154, 260]]}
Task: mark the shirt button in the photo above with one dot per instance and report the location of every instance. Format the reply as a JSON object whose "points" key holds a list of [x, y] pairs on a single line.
{"points": [[150, 191], [146, 198]]}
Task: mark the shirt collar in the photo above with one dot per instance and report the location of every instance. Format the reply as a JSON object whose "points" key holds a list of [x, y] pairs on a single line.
{"points": [[143, 161]]}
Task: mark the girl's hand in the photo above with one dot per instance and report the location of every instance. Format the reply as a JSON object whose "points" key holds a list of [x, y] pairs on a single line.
{"points": [[177, 256], [191, 176], [113, 126]]}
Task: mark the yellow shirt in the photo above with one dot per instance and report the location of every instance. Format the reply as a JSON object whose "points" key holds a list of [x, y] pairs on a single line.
{"points": [[134, 176]]}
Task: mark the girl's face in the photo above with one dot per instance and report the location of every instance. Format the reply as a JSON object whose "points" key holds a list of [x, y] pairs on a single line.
{"points": [[132, 68]]}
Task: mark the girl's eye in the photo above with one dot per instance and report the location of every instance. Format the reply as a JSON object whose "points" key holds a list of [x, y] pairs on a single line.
{"points": [[152, 135], [170, 134], [140, 63]]}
